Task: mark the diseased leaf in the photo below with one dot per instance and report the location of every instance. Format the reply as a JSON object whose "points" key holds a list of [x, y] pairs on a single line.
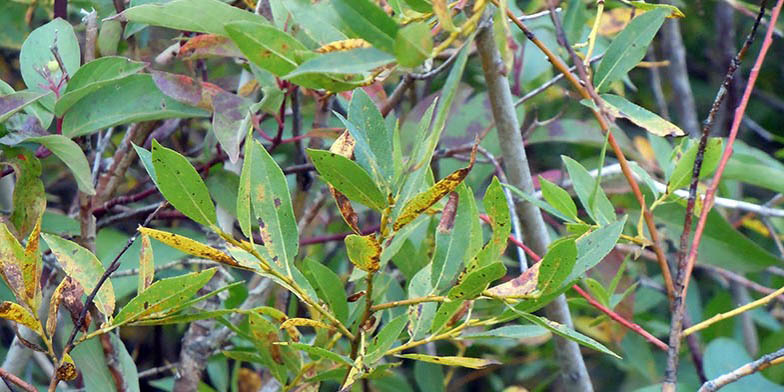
{"points": [[71, 154], [620, 107], [319, 352], [385, 338], [303, 322], [453, 237], [684, 169], [32, 266], [146, 265], [448, 314], [557, 264], [163, 295], [348, 178], [244, 211], [190, 246], [20, 315], [628, 48], [208, 45], [344, 146], [12, 257], [93, 76], [523, 286], [211, 17], [674, 11], [29, 200], [565, 332], [328, 286], [600, 209], [364, 251], [10, 104], [472, 363], [474, 283], [558, 198], [413, 44], [497, 210], [82, 265], [421, 202], [347, 62], [368, 21], [54, 304], [184, 188], [271, 203]]}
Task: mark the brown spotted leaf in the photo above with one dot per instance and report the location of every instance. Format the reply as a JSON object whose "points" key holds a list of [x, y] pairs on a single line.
{"points": [[523, 286], [364, 252], [67, 369], [265, 335], [344, 146], [304, 322], [82, 265], [163, 295], [208, 45], [32, 267], [29, 200], [12, 257], [146, 265], [54, 304], [421, 202], [191, 247], [20, 315]]}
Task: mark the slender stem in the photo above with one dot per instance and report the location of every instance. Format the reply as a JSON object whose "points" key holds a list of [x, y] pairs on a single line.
{"points": [[723, 316], [595, 30], [410, 301], [763, 363], [7, 376]]}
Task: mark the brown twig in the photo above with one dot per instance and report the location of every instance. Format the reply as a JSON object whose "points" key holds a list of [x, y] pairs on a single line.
{"points": [[6, 376]]}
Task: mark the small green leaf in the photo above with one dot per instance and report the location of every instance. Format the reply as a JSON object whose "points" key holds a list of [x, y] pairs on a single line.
{"points": [[565, 332], [319, 352], [211, 15], [93, 76], [82, 265], [682, 174], [510, 332], [592, 248], [600, 209], [266, 46], [385, 338], [368, 21], [472, 363], [413, 44], [184, 188], [36, 54], [71, 154], [348, 178], [477, 281], [163, 296], [328, 286], [145, 157], [355, 61], [420, 5], [620, 107], [364, 251], [557, 264], [558, 198], [628, 48]]}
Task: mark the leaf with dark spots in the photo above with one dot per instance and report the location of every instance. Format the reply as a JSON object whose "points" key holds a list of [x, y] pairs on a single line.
{"points": [[20, 315], [421, 202], [54, 304], [12, 256], [477, 281], [557, 264], [191, 247], [29, 200], [364, 252], [472, 363], [32, 267], [523, 286]]}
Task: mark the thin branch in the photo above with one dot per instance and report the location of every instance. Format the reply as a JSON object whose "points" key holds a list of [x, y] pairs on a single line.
{"points": [[525, 98], [6, 376], [734, 312], [763, 363]]}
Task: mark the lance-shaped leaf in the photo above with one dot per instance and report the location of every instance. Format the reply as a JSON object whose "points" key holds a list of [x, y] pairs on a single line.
{"points": [[14, 102], [368, 21], [421, 202], [146, 265], [190, 246], [348, 178], [477, 281], [592, 248], [29, 200], [318, 352], [346, 62], [163, 295], [500, 221], [447, 314], [54, 304], [265, 334], [244, 211], [620, 107], [16, 313], [92, 77], [472, 363], [524, 332], [373, 149], [71, 154], [674, 11], [82, 265], [272, 207], [413, 44], [184, 188], [304, 322], [684, 169], [385, 338], [32, 266], [557, 264], [564, 332], [599, 208], [364, 251], [12, 257], [559, 198], [523, 286], [344, 146], [211, 17], [453, 237], [328, 287], [628, 48]]}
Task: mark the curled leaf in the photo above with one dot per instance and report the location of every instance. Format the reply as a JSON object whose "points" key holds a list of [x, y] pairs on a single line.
{"points": [[67, 369], [303, 322], [473, 363], [364, 252]]}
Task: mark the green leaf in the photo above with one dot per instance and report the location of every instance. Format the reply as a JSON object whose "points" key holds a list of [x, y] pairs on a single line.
{"points": [[620, 107], [628, 48], [413, 44], [355, 61], [71, 154], [369, 22], [133, 98], [36, 53], [364, 251], [318, 352], [538, 203], [453, 237], [245, 356], [385, 338], [557, 264], [497, 209], [82, 265], [682, 174], [510, 332], [10, 104], [558, 198], [373, 149], [265, 334], [420, 5], [93, 76], [203, 16], [163, 295], [420, 316], [145, 157], [446, 311], [600, 210], [328, 286], [477, 281], [272, 207], [674, 11], [592, 248], [565, 332], [348, 178], [319, 20], [429, 377], [184, 189], [722, 245], [472, 363]]}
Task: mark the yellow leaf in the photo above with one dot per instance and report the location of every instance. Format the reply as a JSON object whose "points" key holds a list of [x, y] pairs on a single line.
{"points": [[146, 265], [344, 146], [473, 363], [674, 11], [303, 322], [343, 45], [444, 15], [15, 312], [54, 304], [33, 266], [191, 247], [614, 20], [523, 286], [364, 252]]}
